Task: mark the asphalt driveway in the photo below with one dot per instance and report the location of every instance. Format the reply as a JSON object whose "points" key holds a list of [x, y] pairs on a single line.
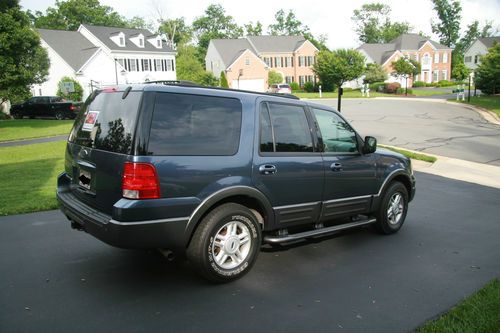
{"points": [[54, 279], [438, 128]]}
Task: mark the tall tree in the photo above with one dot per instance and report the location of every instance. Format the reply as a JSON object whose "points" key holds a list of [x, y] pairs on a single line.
{"points": [[373, 24], [23, 61], [214, 24], [447, 27], [334, 68], [287, 25], [488, 73], [473, 32], [374, 73], [253, 29], [177, 31], [189, 68], [406, 68], [68, 15]]}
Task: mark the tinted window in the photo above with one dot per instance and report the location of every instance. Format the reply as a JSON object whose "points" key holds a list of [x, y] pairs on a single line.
{"points": [[107, 122], [337, 135], [266, 135], [195, 125], [289, 127]]}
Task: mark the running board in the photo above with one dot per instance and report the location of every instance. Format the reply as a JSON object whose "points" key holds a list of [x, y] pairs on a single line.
{"points": [[316, 232]]}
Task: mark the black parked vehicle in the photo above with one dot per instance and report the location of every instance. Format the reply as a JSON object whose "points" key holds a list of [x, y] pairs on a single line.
{"points": [[214, 173], [46, 106]]}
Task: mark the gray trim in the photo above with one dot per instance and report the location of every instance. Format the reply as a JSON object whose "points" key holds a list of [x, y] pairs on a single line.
{"points": [[175, 219], [346, 199], [297, 205]]}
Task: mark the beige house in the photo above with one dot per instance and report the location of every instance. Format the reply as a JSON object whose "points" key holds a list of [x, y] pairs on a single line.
{"points": [[435, 59], [247, 61]]}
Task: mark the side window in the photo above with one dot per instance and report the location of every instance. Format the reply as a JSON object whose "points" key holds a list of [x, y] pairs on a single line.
{"points": [[338, 136], [195, 125], [284, 128]]}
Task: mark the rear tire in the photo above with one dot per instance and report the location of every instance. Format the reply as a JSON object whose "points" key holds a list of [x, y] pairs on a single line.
{"points": [[226, 243], [17, 116], [393, 208], [59, 116]]}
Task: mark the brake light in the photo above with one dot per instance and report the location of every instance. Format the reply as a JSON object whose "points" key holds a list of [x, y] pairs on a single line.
{"points": [[140, 181], [72, 108]]}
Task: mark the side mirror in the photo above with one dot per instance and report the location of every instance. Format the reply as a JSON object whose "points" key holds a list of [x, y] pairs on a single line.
{"points": [[370, 145]]}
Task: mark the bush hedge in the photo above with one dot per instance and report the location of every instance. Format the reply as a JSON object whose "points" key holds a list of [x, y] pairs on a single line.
{"points": [[377, 86], [418, 84], [309, 87], [294, 86], [392, 87]]}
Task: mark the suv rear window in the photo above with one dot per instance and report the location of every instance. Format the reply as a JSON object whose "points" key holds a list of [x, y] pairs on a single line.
{"points": [[195, 125], [107, 122]]}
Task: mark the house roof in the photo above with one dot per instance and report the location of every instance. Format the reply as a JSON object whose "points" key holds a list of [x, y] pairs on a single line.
{"points": [[104, 34], [489, 41], [265, 44], [378, 52], [231, 49], [75, 49], [414, 42]]}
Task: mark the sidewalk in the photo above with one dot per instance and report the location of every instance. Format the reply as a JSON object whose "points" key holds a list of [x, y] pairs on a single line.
{"points": [[472, 172]]}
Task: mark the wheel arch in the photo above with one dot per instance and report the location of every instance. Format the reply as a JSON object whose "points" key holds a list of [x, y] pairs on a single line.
{"points": [[399, 175]]}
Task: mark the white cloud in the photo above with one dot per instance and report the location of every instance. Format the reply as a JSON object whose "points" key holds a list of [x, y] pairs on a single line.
{"points": [[332, 18]]}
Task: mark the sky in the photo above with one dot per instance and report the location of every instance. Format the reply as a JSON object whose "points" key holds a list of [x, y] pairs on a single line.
{"points": [[331, 18]]}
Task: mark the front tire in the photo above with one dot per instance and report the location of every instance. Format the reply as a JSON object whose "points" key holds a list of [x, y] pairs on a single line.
{"points": [[226, 243], [393, 208]]}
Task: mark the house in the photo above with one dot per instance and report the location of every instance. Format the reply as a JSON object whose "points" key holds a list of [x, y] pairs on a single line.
{"points": [[472, 56], [435, 59], [98, 56], [247, 61]]}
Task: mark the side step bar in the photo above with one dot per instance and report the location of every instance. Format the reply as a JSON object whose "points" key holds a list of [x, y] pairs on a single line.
{"points": [[316, 232]]}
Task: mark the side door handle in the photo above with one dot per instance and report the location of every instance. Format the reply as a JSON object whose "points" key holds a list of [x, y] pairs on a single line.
{"points": [[336, 166], [267, 169]]}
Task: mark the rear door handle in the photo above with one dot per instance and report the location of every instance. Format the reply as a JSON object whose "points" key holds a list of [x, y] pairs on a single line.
{"points": [[336, 167], [267, 169]]}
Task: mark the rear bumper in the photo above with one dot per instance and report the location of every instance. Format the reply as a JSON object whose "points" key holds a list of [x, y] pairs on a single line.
{"points": [[146, 234]]}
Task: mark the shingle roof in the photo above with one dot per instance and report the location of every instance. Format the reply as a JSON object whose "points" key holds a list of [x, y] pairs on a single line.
{"points": [[489, 41], [414, 42], [230, 49], [378, 52], [103, 34], [273, 44], [75, 49]]}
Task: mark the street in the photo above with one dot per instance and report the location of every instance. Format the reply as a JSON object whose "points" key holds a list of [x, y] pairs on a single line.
{"points": [[437, 128], [55, 279]]}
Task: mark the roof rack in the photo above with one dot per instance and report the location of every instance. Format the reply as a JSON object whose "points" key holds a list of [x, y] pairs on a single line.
{"points": [[183, 83]]}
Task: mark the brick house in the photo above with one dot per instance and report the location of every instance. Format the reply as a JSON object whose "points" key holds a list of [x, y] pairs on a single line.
{"points": [[247, 61], [435, 59]]}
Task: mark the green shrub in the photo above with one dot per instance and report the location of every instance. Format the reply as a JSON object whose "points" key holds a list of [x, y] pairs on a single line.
{"points": [[73, 96], [377, 86], [294, 86], [348, 89], [274, 77], [223, 80], [401, 91], [309, 87], [392, 87], [433, 84], [417, 84], [445, 83]]}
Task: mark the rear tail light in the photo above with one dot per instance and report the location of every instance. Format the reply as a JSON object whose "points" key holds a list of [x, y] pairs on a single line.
{"points": [[140, 181], [72, 108]]}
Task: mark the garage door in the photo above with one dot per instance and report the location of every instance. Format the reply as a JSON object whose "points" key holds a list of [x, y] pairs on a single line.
{"points": [[252, 85]]}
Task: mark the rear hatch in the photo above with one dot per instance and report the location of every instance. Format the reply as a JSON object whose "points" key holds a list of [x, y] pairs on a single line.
{"points": [[99, 144]]}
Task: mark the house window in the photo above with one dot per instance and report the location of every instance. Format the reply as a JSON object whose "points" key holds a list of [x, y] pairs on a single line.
{"points": [[266, 60], [301, 79], [277, 61], [468, 59], [141, 42], [121, 62], [145, 65], [426, 59], [288, 79], [132, 65], [158, 43], [435, 76], [444, 75], [122, 41], [477, 58], [247, 61], [158, 65], [445, 58], [310, 78], [169, 65], [436, 58]]}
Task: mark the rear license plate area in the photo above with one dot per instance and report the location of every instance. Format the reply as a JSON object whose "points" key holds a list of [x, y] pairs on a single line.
{"points": [[84, 179]]}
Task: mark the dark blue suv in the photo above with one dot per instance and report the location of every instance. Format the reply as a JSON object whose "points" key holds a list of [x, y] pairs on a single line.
{"points": [[214, 173]]}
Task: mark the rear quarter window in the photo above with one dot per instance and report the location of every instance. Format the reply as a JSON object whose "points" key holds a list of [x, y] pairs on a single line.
{"points": [[189, 125]]}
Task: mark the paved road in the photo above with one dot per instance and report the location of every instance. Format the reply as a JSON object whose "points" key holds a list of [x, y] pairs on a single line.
{"points": [[63, 137], [54, 279], [439, 128]]}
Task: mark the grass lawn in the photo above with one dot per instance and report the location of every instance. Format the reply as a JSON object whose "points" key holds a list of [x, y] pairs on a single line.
{"points": [[29, 176], [491, 103], [19, 129], [357, 94], [479, 313], [412, 155]]}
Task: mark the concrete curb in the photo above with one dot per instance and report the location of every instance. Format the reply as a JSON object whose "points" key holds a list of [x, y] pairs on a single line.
{"points": [[487, 115]]}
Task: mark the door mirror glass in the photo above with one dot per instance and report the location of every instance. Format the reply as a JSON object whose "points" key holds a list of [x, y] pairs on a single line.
{"points": [[370, 145]]}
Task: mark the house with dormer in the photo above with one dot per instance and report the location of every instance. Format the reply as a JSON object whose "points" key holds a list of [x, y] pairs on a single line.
{"points": [[99, 56], [435, 59], [246, 62]]}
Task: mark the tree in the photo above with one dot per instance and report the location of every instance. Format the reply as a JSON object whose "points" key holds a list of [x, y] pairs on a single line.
{"points": [[374, 73], [373, 24], [274, 77], [458, 69], [177, 31], [287, 25], [214, 24], [23, 61], [73, 96], [138, 22], [406, 68], [487, 75], [253, 30], [337, 67], [190, 69], [448, 25], [68, 15], [223, 80]]}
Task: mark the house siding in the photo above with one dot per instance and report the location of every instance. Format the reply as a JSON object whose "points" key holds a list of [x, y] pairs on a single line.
{"points": [[252, 69]]}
